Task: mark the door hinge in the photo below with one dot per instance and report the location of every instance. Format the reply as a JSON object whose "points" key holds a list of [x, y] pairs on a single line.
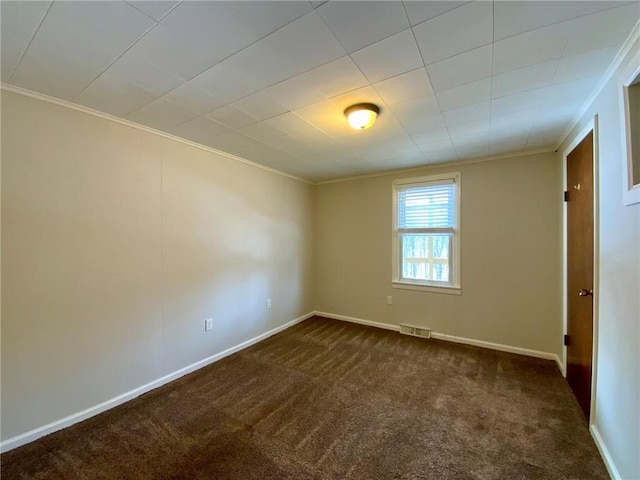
{"points": [[566, 196], [566, 340]]}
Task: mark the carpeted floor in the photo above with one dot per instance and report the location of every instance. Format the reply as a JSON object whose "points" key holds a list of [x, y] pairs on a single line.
{"points": [[333, 400]]}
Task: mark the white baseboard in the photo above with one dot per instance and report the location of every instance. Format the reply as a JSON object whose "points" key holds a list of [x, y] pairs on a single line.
{"points": [[386, 326], [65, 422], [452, 338], [604, 453], [497, 346]]}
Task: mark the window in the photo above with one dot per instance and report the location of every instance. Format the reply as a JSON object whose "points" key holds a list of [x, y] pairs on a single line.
{"points": [[426, 233], [631, 137]]}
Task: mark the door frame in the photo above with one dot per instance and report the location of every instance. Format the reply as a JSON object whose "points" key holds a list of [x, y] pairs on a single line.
{"points": [[591, 125]]}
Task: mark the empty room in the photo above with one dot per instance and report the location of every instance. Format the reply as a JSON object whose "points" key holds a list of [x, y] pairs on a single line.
{"points": [[320, 240]]}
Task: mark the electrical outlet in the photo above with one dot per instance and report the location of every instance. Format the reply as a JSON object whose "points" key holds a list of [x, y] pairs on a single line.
{"points": [[389, 300], [208, 324], [268, 303]]}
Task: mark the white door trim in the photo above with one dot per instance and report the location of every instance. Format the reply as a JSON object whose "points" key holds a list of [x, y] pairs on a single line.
{"points": [[591, 125]]}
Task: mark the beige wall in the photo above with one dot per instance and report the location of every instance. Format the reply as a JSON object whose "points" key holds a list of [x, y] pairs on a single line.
{"points": [[510, 254], [117, 244], [617, 412]]}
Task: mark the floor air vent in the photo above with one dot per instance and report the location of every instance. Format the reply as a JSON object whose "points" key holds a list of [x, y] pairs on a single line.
{"points": [[415, 331]]}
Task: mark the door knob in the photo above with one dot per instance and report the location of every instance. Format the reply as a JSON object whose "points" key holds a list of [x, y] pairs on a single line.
{"points": [[585, 293]]}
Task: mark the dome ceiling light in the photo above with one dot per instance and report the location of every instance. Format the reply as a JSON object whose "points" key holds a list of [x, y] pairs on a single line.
{"points": [[362, 115]]}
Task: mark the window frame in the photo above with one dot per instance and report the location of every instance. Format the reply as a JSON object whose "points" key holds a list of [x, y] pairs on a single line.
{"points": [[454, 287]]}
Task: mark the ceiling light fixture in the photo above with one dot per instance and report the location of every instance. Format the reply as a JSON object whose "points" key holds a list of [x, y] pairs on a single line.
{"points": [[362, 115]]}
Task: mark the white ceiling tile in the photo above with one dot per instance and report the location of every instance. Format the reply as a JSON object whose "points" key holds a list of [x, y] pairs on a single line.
{"points": [[296, 48], [358, 24], [552, 98], [297, 92], [155, 9], [544, 139], [200, 130], [523, 79], [587, 64], [430, 136], [75, 43], [446, 155], [113, 95], [161, 114], [429, 122], [326, 117], [464, 95], [472, 150], [231, 117], [192, 98], [260, 105], [361, 95], [19, 21], [394, 159], [197, 35], [143, 74], [106, 28], [418, 12], [552, 124], [410, 159], [333, 78], [460, 30], [166, 49], [478, 138], [296, 127], [465, 131], [302, 148], [479, 111], [530, 48], [512, 18], [436, 146], [502, 126], [328, 80], [516, 133], [511, 143], [226, 82], [389, 57], [576, 91], [600, 30], [516, 130], [57, 75], [517, 102], [586, 8], [418, 114], [238, 23], [464, 68], [404, 87], [261, 131], [503, 148]]}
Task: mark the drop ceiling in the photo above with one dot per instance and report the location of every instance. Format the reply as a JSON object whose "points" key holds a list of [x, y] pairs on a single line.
{"points": [[269, 81]]}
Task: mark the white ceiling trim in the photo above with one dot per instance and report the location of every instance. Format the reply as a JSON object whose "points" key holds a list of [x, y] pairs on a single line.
{"points": [[128, 123], [633, 37], [442, 165]]}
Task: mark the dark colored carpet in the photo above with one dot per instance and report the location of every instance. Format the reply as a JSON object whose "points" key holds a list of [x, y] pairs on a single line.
{"points": [[333, 400]]}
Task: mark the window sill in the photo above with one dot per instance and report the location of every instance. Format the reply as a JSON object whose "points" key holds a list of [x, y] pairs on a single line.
{"points": [[427, 288]]}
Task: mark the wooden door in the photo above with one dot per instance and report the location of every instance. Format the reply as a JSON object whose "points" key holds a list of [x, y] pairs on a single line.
{"points": [[580, 271]]}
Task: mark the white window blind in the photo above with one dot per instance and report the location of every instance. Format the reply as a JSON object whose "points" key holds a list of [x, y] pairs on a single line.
{"points": [[429, 206]]}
